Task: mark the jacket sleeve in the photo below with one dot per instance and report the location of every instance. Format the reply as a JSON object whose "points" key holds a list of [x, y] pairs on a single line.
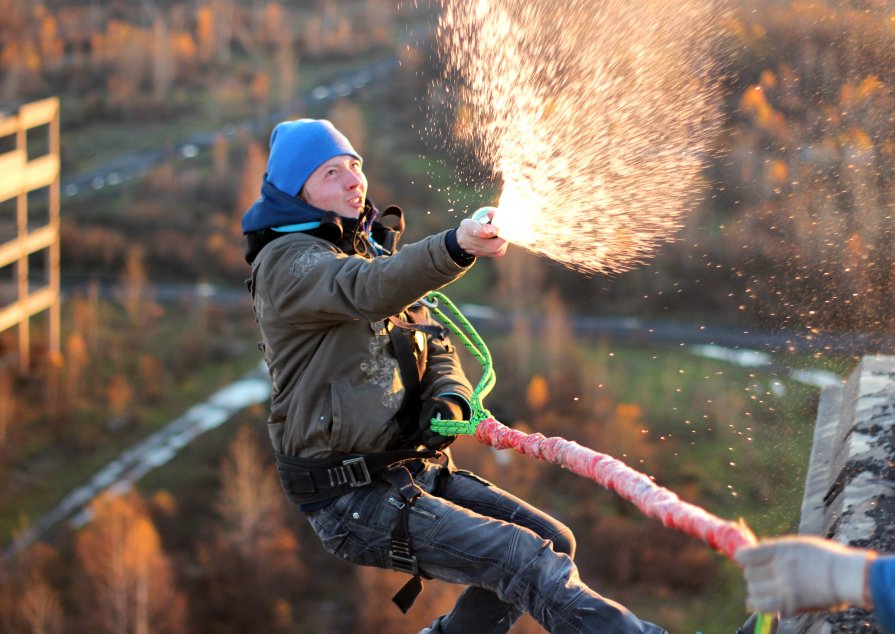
{"points": [[882, 588], [311, 284]]}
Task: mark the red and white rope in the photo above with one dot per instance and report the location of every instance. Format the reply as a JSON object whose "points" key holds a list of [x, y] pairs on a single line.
{"points": [[653, 500]]}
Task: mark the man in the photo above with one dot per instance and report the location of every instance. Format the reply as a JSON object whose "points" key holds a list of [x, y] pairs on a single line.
{"points": [[805, 573], [359, 370]]}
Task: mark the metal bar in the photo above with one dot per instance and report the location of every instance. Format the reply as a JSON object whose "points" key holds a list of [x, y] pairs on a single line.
{"points": [[38, 113], [21, 310], [22, 261], [34, 241]]}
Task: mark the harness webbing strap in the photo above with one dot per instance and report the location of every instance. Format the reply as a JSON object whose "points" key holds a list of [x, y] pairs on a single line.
{"points": [[307, 480], [401, 557], [411, 373]]}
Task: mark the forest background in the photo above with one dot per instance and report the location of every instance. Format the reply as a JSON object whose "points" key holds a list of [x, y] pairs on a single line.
{"points": [[793, 236]]}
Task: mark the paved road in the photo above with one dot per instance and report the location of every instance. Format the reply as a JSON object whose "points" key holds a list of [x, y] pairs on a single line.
{"points": [[133, 165], [630, 329]]}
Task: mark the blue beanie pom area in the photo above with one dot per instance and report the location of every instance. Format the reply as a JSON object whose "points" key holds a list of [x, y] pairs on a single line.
{"points": [[299, 147]]}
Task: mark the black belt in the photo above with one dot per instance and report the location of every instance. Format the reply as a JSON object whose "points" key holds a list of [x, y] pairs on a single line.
{"points": [[309, 480]]}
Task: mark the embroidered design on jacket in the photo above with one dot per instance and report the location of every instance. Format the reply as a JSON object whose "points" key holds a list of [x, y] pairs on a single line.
{"points": [[381, 369], [310, 257]]}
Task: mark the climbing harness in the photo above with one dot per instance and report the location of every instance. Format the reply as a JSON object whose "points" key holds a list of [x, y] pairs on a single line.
{"points": [[312, 480], [653, 500]]}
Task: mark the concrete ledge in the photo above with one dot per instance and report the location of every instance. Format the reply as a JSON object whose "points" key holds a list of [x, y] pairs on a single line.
{"points": [[850, 486]]}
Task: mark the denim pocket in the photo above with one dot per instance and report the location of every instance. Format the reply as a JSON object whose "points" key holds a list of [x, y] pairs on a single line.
{"points": [[352, 529], [330, 528]]}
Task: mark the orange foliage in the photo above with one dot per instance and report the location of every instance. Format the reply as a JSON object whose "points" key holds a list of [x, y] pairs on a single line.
{"points": [[205, 31], [768, 79], [871, 85], [250, 183], [131, 579], [855, 248], [184, 47], [778, 172], [348, 117], [76, 360], [260, 87], [119, 395], [152, 376], [29, 602], [7, 405], [754, 102], [819, 122], [537, 394], [252, 564]]}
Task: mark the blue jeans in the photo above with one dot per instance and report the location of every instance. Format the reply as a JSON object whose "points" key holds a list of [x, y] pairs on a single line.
{"points": [[513, 557]]}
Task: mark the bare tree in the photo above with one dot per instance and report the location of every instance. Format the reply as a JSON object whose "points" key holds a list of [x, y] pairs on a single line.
{"points": [[253, 573], [7, 404], [162, 60], [131, 581], [29, 604], [251, 503], [39, 606]]}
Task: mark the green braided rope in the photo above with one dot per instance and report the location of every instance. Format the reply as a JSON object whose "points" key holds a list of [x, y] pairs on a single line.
{"points": [[439, 304]]}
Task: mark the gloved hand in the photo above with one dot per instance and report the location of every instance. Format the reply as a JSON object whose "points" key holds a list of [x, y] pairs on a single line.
{"points": [[795, 574], [443, 407]]}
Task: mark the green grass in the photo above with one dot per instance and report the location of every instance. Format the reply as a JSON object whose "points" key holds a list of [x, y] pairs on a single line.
{"points": [[749, 456]]}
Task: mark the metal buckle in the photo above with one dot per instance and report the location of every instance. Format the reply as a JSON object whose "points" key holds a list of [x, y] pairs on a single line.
{"points": [[359, 478], [403, 563]]}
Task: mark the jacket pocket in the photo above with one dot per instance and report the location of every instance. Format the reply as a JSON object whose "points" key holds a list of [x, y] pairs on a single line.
{"points": [[361, 423]]}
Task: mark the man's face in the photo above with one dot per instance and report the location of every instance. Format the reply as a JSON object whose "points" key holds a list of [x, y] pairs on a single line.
{"points": [[338, 185]]}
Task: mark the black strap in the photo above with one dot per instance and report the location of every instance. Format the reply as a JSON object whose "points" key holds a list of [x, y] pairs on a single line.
{"points": [[411, 373], [308, 480], [401, 557]]}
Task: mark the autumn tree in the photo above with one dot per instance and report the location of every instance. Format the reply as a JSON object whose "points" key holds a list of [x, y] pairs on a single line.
{"points": [[561, 353], [812, 159], [39, 606], [87, 317], [135, 291], [287, 70], [7, 404], [131, 587], [518, 291], [252, 565], [29, 603], [162, 60], [347, 116]]}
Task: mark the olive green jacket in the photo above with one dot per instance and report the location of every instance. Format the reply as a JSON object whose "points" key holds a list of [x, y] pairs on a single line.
{"points": [[323, 316]]}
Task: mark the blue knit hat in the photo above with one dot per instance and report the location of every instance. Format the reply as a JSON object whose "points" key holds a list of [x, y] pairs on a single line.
{"points": [[299, 147]]}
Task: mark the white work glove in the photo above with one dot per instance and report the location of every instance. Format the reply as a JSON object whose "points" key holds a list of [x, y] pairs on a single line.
{"points": [[796, 574]]}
